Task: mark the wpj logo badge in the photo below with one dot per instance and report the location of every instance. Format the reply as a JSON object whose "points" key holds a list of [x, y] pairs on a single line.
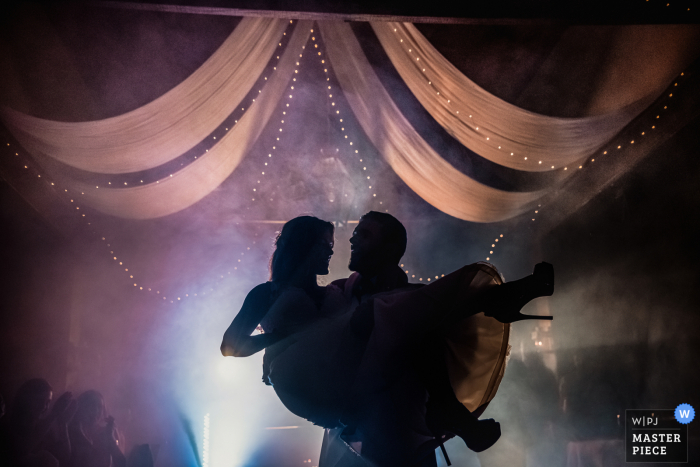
{"points": [[657, 435]]}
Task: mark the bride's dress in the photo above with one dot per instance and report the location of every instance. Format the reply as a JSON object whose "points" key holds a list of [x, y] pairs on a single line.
{"points": [[307, 368], [324, 371]]}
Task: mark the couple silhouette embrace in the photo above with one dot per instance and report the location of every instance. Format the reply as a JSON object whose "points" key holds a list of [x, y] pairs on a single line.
{"points": [[389, 368]]}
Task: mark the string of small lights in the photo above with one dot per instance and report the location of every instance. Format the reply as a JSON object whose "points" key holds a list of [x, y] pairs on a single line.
{"points": [[659, 107], [260, 83], [267, 164], [456, 111], [335, 106], [657, 110], [672, 5], [449, 102], [123, 180], [72, 197], [355, 151]]}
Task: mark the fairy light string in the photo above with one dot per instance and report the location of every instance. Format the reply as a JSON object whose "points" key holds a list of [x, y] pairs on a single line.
{"points": [[264, 171], [124, 180], [644, 127], [348, 148], [82, 217], [341, 115], [451, 105]]}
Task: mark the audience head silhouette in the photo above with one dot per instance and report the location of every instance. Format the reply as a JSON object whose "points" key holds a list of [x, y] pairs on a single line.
{"points": [[31, 402], [91, 408], [378, 242], [303, 246]]}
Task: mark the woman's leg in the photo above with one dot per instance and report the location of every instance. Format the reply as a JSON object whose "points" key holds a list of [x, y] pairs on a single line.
{"points": [[445, 414], [431, 368], [403, 320]]}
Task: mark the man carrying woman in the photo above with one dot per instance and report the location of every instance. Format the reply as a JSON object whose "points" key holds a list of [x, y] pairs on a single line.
{"points": [[361, 356]]}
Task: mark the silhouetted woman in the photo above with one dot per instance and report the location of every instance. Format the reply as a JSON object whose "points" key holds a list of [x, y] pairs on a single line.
{"points": [[93, 437]]}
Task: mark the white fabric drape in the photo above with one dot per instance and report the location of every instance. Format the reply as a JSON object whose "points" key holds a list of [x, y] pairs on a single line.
{"points": [[194, 182], [170, 125], [488, 125], [418, 165]]}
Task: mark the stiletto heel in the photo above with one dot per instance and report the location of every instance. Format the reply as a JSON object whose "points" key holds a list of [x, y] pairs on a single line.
{"points": [[431, 420], [522, 317], [427, 449], [478, 435], [444, 453], [504, 301]]}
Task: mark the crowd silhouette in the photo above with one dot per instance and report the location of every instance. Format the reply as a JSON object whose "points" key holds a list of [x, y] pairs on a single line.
{"points": [[71, 432]]}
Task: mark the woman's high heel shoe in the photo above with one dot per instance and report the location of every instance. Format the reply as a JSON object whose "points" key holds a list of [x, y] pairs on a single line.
{"points": [[478, 435], [505, 301]]}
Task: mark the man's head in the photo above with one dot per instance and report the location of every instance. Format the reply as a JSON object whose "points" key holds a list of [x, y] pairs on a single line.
{"points": [[378, 242], [31, 401]]}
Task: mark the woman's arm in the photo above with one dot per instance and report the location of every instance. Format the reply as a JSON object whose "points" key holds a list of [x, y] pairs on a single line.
{"points": [[238, 341], [112, 438], [53, 430]]}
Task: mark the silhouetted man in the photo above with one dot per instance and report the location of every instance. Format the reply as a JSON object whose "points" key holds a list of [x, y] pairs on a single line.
{"points": [[377, 245]]}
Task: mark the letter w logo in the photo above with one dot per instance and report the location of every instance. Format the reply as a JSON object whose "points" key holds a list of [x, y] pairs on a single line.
{"points": [[684, 413]]}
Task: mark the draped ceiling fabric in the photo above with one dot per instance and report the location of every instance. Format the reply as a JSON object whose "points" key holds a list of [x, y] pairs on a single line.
{"points": [[166, 128], [418, 165], [170, 125], [471, 115], [201, 177]]}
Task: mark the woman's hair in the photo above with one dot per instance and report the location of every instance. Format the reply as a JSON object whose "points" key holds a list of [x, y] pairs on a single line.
{"points": [[87, 401], [294, 244]]}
